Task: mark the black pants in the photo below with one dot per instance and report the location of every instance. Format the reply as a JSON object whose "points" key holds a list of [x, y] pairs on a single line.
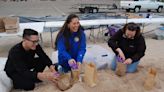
{"points": [[20, 82]]}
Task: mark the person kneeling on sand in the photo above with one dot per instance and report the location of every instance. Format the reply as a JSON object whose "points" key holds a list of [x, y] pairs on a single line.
{"points": [[129, 45], [26, 62], [71, 44]]}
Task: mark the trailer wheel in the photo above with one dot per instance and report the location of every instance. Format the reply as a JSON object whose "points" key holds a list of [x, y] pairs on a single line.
{"points": [[87, 10], [159, 9], [127, 10], [148, 10], [81, 10], [137, 9], [114, 6], [95, 10], [91, 10]]}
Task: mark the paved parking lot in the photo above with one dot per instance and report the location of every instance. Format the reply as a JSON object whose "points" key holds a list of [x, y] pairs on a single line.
{"points": [[53, 8]]}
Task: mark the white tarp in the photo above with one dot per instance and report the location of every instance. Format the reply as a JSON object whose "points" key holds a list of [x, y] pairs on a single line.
{"points": [[5, 81], [94, 53], [99, 55]]}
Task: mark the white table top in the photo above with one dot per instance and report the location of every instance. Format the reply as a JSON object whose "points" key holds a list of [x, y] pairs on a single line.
{"points": [[107, 22], [38, 26]]}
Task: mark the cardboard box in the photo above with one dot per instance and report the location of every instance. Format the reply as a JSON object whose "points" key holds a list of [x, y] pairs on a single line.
{"points": [[131, 15], [2, 27], [11, 31], [1, 22], [11, 24], [2, 30]]}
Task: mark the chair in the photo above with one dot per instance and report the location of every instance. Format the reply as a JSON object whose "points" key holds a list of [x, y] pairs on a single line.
{"points": [[113, 29]]}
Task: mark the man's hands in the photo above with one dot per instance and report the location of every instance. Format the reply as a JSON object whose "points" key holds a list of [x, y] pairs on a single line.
{"points": [[45, 76], [52, 68], [48, 75]]}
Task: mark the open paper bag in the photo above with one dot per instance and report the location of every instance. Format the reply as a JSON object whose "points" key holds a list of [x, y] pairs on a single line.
{"points": [[90, 74], [149, 82], [121, 68], [75, 75], [64, 82]]}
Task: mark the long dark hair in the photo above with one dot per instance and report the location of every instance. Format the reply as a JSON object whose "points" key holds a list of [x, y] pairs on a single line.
{"points": [[132, 27], [66, 33]]}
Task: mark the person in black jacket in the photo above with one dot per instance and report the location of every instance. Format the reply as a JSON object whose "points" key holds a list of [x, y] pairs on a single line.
{"points": [[129, 44], [26, 62]]}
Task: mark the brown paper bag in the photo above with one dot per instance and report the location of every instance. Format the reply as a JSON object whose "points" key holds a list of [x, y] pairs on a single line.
{"points": [[149, 82], [90, 74], [75, 75], [64, 82], [120, 69]]}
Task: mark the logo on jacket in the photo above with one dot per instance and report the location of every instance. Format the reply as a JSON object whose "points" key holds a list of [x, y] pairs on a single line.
{"points": [[76, 39]]}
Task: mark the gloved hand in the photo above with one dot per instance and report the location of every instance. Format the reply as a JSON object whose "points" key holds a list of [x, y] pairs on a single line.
{"points": [[120, 53], [119, 59], [72, 63], [74, 66]]}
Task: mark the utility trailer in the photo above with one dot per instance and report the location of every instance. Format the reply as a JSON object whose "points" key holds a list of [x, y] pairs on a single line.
{"points": [[93, 8]]}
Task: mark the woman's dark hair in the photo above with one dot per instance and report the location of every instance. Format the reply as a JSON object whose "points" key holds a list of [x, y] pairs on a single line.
{"points": [[132, 27], [66, 33], [29, 32]]}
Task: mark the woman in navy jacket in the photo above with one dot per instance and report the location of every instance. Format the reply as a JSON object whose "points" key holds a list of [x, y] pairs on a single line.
{"points": [[71, 43]]}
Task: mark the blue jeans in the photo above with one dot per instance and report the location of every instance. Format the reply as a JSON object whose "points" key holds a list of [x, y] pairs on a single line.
{"points": [[130, 68]]}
